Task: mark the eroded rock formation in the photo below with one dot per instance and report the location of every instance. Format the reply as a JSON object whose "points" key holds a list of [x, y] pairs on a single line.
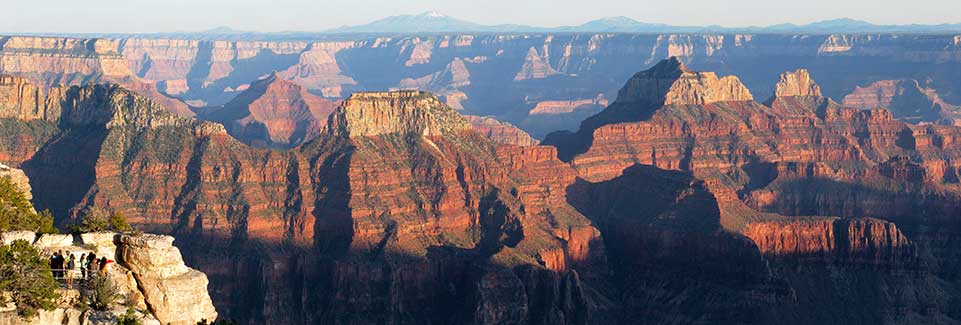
{"points": [[798, 155], [683, 210], [175, 293], [273, 112]]}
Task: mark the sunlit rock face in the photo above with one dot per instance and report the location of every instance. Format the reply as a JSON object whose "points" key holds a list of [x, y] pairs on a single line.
{"points": [[500, 132], [273, 112], [397, 176]]}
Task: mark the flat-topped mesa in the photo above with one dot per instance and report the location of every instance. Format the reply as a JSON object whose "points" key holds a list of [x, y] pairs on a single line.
{"points": [[53, 61], [75, 46], [378, 113], [672, 83], [797, 83]]}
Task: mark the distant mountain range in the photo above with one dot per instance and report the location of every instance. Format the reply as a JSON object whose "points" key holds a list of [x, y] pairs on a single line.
{"points": [[433, 22]]}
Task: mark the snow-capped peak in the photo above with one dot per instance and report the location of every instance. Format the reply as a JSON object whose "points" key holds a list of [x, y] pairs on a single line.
{"points": [[433, 14]]}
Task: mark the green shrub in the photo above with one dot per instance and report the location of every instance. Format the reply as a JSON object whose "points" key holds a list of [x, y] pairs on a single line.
{"points": [[95, 219], [100, 292], [92, 220], [119, 223], [26, 277], [129, 318]]}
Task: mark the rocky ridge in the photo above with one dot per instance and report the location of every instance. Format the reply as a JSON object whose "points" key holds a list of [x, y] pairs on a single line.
{"points": [[773, 167]]}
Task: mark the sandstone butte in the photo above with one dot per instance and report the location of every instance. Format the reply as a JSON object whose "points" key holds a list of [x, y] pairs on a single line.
{"points": [[689, 202], [273, 112], [149, 273]]}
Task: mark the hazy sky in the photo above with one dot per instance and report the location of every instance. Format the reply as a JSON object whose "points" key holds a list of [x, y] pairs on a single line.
{"points": [[317, 15]]}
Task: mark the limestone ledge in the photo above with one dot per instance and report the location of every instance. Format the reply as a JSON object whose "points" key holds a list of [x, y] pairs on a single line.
{"points": [[149, 271]]}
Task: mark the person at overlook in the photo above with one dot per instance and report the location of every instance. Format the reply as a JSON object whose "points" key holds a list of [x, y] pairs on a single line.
{"points": [[84, 262], [103, 265], [69, 273], [56, 264], [94, 264]]}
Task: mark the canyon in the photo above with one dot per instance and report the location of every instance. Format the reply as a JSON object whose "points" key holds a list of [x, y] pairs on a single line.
{"points": [[684, 200], [540, 82]]}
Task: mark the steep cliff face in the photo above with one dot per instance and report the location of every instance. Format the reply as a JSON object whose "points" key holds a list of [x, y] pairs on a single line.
{"points": [[400, 193], [53, 62], [671, 258], [797, 84], [804, 155], [866, 240], [273, 112], [56, 61], [23, 100]]}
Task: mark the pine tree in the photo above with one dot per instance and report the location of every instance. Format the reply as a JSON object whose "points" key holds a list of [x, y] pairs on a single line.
{"points": [[26, 278]]}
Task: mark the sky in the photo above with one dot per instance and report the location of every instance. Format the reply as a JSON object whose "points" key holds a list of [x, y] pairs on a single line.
{"points": [[140, 16]]}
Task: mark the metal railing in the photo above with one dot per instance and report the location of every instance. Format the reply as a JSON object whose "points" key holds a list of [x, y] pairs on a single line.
{"points": [[68, 278]]}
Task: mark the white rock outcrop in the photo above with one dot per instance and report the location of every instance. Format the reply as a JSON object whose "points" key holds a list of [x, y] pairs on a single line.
{"points": [[175, 293], [148, 270], [8, 237], [48, 241]]}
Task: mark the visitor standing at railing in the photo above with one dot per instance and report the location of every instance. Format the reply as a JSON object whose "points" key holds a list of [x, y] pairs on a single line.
{"points": [[83, 265], [104, 262], [56, 263], [94, 266], [71, 265]]}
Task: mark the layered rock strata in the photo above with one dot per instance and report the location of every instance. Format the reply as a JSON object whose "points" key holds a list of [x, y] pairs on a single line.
{"points": [[772, 166], [477, 72], [273, 112]]}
